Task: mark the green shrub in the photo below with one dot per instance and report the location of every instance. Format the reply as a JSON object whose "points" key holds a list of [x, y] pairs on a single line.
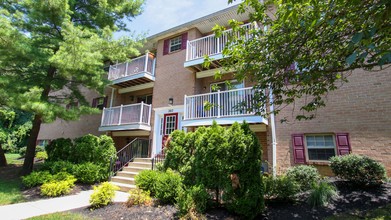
{"points": [[138, 197], [39, 148], [22, 151], [36, 178], [58, 166], [85, 149], [41, 155], [60, 149], [192, 202], [304, 175], [146, 180], [64, 176], [167, 185], [56, 188], [103, 194], [88, 173], [321, 194], [104, 151], [280, 187], [359, 170]]}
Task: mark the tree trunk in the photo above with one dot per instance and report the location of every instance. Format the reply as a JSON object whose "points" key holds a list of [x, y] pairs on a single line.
{"points": [[3, 161], [31, 145]]}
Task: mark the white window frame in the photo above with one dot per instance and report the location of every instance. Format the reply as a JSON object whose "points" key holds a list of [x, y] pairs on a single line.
{"points": [[175, 42], [171, 124], [322, 134]]}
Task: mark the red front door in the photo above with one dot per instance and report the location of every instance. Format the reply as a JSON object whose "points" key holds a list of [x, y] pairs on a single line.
{"points": [[170, 124]]}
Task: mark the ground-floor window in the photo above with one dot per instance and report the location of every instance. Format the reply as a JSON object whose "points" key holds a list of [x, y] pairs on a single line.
{"points": [[43, 142], [320, 147]]}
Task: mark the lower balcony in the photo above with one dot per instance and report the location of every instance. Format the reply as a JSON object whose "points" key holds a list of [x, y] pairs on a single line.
{"points": [[225, 107], [126, 117]]}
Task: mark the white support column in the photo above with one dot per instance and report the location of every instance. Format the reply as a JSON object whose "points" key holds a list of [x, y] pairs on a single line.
{"points": [[141, 112], [126, 70], [103, 116], [274, 140], [112, 97], [149, 114], [218, 103], [120, 115], [146, 62], [153, 67], [187, 50], [185, 108]]}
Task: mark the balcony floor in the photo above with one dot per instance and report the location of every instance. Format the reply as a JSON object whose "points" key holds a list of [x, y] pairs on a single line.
{"points": [[196, 64], [133, 80], [127, 127], [251, 119]]}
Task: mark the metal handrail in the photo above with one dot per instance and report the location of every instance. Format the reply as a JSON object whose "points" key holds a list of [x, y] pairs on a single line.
{"points": [[158, 158], [138, 148]]}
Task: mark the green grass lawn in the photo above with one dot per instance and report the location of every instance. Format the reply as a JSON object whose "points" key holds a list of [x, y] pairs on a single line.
{"points": [[383, 213], [12, 159], [10, 191], [60, 216]]}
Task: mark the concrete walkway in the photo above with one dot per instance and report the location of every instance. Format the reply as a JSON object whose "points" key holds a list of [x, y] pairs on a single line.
{"points": [[46, 206]]}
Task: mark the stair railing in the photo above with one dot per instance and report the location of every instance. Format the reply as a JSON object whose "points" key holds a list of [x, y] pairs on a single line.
{"points": [[138, 148], [158, 158]]}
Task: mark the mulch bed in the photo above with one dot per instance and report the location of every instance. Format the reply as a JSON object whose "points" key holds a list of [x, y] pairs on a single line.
{"points": [[349, 200]]}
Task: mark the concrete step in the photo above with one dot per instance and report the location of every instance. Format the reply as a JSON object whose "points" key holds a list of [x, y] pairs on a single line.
{"points": [[135, 169], [121, 179], [124, 187], [140, 165], [127, 174], [143, 160]]}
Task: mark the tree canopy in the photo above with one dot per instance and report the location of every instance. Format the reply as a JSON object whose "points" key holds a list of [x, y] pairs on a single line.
{"points": [[51, 49], [302, 49]]}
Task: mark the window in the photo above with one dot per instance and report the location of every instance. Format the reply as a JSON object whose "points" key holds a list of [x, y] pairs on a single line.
{"points": [[43, 143], [170, 124], [147, 99], [99, 102], [175, 44], [320, 147], [222, 86]]}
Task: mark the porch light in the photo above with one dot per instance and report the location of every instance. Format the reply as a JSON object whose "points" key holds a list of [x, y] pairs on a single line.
{"points": [[171, 101]]}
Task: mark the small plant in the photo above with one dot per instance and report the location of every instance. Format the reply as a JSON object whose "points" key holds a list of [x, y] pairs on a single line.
{"points": [[138, 197], [304, 175], [22, 151], [60, 184], [167, 185], [36, 178], [103, 194], [321, 194], [192, 202], [146, 180], [280, 187], [87, 173], [41, 155], [359, 170]]}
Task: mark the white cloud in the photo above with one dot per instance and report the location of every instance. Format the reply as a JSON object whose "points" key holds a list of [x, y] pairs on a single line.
{"points": [[160, 15]]}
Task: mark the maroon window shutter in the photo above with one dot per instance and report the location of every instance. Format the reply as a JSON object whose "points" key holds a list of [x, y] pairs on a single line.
{"points": [[184, 41], [166, 47], [343, 145], [94, 102], [105, 102], [298, 148]]}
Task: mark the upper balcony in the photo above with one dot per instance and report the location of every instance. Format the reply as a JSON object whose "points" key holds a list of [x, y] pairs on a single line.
{"points": [[211, 46], [126, 117], [225, 107], [138, 72]]}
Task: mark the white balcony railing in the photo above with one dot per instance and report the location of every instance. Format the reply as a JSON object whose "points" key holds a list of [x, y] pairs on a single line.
{"points": [[231, 103], [142, 64], [211, 45], [139, 113]]}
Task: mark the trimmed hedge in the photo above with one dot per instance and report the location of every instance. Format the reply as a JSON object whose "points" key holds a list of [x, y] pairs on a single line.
{"points": [[304, 175], [358, 170]]}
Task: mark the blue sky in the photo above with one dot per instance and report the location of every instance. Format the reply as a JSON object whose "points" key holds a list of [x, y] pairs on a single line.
{"points": [[160, 15]]}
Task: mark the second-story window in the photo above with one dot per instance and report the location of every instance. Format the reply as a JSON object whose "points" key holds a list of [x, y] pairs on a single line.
{"points": [[175, 44], [99, 102]]}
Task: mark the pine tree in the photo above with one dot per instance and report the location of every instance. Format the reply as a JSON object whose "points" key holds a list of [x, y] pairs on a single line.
{"points": [[51, 49]]}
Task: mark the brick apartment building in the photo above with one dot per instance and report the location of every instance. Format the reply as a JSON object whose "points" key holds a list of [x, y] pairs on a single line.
{"points": [[165, 89]]}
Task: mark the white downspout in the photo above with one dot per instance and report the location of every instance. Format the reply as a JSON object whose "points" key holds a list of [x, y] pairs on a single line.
{"points": [[274, 140], [112, 97]]}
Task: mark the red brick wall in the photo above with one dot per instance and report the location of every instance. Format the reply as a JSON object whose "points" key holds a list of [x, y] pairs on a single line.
{"points": [[361, 107]]}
